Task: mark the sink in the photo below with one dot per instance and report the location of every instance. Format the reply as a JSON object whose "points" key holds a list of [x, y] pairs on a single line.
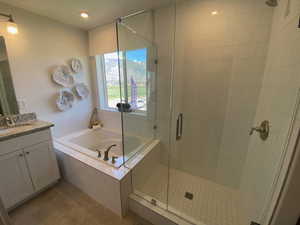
{"points": [[6, 131]]}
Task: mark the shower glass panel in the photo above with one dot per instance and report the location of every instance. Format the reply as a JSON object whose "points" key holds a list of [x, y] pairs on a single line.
{"points": [[147, 39], [137, 64], [220, 56]]}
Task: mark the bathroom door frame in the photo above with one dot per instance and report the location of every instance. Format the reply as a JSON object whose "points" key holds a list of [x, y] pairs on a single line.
{"points": [[285, 207], [287, 170], [291, 152]]}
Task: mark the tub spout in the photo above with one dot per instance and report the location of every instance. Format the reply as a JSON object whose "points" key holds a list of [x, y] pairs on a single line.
{"points": [[107, 151]]}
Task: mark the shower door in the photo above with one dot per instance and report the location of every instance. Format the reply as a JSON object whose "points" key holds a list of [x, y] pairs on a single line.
{"points": [[224, 84]]}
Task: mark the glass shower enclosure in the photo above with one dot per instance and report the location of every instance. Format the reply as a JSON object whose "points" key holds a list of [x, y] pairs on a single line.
{"points": [[137, 69], [206, 80]]}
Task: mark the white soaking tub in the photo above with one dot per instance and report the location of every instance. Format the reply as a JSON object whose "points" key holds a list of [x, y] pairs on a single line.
{"points": [[95, 142]]}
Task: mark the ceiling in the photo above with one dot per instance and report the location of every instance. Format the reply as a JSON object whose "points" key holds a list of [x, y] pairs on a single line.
{"points": [[100, 11]]}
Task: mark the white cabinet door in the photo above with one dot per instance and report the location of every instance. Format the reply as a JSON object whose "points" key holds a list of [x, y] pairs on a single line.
{"points": [[15, 182], [42, 164]]}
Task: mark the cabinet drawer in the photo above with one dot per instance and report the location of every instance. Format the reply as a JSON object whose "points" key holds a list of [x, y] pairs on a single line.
{"points": [[21, 142]]}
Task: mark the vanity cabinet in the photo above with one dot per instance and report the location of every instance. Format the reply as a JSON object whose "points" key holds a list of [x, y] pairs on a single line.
{"points": [[42, 164], [27, 166], [15, 178]]}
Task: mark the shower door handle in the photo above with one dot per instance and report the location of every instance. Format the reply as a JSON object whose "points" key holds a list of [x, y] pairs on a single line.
{"points": [[179, 126]]}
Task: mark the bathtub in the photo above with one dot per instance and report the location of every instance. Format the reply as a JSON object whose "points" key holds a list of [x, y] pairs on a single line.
{"points": [[108, 184], [93, 143]]}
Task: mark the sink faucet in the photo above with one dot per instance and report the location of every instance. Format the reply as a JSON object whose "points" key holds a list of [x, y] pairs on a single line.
{"points": [[107, 151], [9, 121]]}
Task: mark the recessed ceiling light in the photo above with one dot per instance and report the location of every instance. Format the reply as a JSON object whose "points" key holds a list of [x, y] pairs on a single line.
{"points": [[84, 14], [214, 13]]}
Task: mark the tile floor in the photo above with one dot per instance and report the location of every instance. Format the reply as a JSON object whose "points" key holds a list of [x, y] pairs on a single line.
{"points": [[213, 204], [64, 204]]}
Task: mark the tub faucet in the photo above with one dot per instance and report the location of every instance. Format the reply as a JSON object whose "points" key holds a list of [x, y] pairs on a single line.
{"points": [[99, 153], [107, 151]]}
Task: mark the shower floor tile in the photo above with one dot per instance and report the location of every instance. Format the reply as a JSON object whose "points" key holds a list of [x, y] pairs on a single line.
{"points": [[212, 204]]}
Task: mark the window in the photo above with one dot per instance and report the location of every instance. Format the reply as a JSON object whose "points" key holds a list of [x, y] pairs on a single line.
{"points": [[133, 73], [111, 80]]}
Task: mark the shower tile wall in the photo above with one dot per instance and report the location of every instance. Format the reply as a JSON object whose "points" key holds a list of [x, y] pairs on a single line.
{"points": [[220, 79], [219, 65], [277, 101]]}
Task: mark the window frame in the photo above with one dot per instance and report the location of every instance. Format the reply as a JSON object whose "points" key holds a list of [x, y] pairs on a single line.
{"points": [[101, 81], [102, 87]]}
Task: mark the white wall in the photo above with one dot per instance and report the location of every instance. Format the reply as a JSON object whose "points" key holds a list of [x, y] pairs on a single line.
{"points": [[41, 45], [219, 64], [103, 39]]}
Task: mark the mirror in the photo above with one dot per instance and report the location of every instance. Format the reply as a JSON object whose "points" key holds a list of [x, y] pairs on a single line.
{"points": [[8, 101]]}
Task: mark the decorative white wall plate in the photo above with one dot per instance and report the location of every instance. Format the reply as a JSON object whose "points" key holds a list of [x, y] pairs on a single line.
{"points": [[66, 69], [65, 100], [82, 90], [61, 76], [76, 65]]}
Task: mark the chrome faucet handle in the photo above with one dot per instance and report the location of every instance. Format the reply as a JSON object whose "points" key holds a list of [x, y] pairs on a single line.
{"points": [[263, 129], [113, 159], [99, 153], [257, 129]]}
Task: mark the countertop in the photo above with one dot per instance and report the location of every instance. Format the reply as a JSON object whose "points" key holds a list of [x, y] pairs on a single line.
{"points": [[24, 130]]}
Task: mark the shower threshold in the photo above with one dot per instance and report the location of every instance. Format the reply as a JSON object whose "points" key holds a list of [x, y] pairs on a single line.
{"points": [[154, 214], [169, 210]]}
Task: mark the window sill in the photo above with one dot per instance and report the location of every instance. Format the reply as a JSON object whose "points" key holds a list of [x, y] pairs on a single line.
{"points": [[135, 113], [108, 109], [138, 113]]}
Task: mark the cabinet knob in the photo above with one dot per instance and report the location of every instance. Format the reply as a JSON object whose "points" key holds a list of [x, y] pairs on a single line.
{"points": [[21, 155], [27, 153]]}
